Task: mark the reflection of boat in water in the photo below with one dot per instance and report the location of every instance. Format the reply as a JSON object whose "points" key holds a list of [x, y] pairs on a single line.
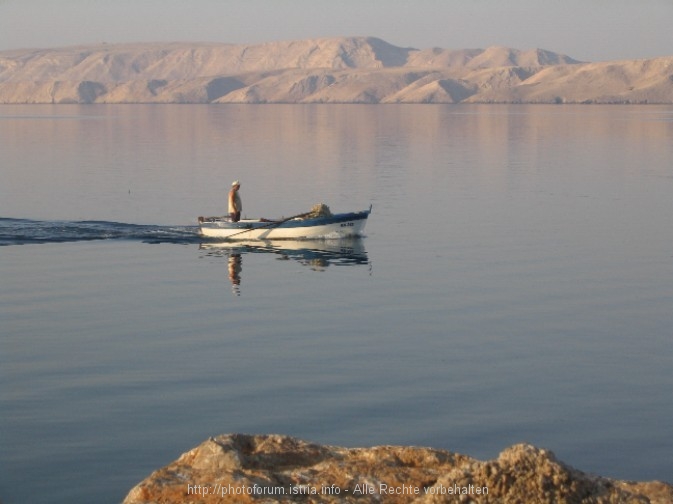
{"points": [[303, 226], [315, 253]]}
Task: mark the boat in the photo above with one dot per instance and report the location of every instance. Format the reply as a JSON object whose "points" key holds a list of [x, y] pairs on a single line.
{"points": [[317, 224]]}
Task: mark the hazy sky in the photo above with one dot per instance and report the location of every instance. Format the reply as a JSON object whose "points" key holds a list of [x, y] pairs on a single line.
{"points": [[590, 30]]}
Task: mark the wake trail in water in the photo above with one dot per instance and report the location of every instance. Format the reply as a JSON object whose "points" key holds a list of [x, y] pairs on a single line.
{"points": [[25, 231]]}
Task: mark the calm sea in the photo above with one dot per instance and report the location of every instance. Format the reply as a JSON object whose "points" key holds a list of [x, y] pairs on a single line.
{"points": [[515, 284]]}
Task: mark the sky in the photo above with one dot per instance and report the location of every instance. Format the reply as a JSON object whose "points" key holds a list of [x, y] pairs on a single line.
{"points": [[588, 30]]}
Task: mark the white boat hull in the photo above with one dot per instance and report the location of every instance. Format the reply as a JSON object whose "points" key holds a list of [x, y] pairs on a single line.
{"points": [[335, 226]]}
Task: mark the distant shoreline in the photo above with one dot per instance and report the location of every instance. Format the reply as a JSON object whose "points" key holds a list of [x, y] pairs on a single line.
{"points": [[355, 70]]}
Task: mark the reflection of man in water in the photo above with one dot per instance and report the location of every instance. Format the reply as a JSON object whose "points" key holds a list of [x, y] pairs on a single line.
{"points": [[235, 268]]}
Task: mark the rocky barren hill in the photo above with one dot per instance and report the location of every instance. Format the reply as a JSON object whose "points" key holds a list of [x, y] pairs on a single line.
{"points": [[334, 70], [268, 469]]}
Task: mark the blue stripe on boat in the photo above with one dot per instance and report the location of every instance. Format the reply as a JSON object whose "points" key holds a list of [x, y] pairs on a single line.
{"points": [[321, 221]]}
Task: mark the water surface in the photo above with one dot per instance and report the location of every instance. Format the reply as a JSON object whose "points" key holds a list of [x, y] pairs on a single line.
{"points": [[514, 284]]}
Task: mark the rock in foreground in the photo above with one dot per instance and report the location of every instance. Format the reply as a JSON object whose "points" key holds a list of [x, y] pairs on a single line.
{"points": [[271, 468]]}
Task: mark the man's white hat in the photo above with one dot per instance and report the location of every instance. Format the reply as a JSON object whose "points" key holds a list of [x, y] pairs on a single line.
{"points": [[235, 183]]}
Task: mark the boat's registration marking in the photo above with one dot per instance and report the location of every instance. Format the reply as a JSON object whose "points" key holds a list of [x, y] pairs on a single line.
{"points": [[347, 224]]}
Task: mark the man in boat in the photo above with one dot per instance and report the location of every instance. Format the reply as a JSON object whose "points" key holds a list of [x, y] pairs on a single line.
{"points": [[235, 205]]}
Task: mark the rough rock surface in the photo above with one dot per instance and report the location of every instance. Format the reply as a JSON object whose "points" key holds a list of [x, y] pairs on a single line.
{"points": [[241, 468], [330, 70]]}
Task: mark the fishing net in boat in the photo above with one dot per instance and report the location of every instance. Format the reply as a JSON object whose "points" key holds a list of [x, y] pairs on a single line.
{"points": [[319, 210]]}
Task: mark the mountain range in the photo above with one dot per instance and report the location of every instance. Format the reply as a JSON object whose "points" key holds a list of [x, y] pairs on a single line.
{"points": [[330, 70]]}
